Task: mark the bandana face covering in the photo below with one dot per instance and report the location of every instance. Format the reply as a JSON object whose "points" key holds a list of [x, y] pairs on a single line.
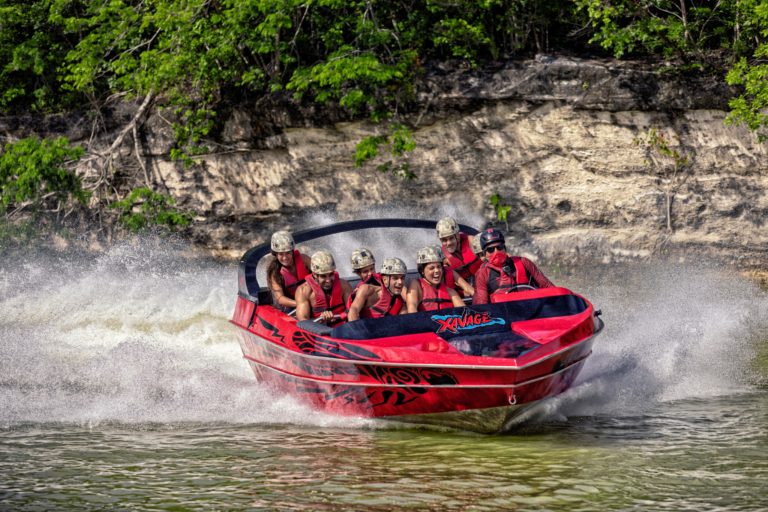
{"points": [[498, 258]]}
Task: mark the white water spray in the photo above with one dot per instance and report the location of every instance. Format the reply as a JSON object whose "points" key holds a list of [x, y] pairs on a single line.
{"points": [[140, 334]]}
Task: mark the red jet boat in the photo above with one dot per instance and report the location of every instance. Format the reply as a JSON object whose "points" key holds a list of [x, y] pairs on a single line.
{"points": [[474, 367]]}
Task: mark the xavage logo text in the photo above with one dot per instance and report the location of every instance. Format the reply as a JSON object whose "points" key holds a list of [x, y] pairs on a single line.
{"points": [[467, 320]]}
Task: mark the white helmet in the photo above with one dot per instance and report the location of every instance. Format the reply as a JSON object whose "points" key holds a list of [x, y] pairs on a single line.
{"points": [[393, 266], [361, 258], [447, 226], [429, 254], [282, 241], [322, 263]]}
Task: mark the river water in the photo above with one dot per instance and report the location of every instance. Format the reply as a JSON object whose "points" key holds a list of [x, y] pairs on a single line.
{"points": [[122, 386]]}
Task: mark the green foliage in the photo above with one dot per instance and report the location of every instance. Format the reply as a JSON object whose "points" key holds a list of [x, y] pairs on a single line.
{"points": [[143, 208], [750, 106], [34, 170], [31, 49], [502, 210], [194, 126], [670, 28], [398, 141], [668, 164]]}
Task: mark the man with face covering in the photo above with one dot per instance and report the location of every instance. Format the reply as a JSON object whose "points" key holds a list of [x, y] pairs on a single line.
{"points": [[503, 273]]}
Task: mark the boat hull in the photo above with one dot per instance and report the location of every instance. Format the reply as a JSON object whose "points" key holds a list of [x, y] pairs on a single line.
{"points": [[340, 378]]}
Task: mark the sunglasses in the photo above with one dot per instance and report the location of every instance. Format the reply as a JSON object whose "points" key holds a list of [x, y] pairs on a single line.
{"points": [[495, 248]]}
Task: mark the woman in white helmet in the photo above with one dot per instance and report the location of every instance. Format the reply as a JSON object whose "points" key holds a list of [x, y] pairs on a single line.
{"points": [[430, 292], [286, 271], [363, 264], [324, 294], [373, 301], [457, 248]]}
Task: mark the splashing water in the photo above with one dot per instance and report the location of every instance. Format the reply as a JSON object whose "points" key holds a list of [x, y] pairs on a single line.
{"points": [[140, 334]]}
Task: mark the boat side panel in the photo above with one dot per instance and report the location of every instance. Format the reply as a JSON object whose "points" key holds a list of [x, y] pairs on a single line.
{"points": [[381, 401], [259, 350]]}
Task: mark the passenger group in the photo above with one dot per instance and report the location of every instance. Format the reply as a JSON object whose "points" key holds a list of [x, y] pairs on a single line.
{"points": [[462, 266]]}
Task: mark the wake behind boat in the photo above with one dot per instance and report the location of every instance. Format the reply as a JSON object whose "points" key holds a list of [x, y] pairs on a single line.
{"points": [[474, 367]]}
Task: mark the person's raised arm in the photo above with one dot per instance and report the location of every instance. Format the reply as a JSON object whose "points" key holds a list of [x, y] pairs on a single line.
{"points": [[278, 295], [455, 298], [463, 284], [361, 297], [413, 297], [303, 308]]}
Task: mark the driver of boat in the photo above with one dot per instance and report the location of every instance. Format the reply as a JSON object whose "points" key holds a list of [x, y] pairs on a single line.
{"points": [[373, 301], [503, 273], [457, 248], [324, 294], [286, 271], [431, 292]]}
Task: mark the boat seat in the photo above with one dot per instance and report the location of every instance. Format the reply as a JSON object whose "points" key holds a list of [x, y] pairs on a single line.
{"points": [[314, 327]]}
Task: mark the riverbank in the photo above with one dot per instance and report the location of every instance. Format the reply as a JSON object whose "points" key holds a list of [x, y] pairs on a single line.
{"points": [[569, 147]]}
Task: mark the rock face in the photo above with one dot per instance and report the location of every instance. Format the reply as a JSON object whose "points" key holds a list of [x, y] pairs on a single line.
{"points": [[556, 138]]}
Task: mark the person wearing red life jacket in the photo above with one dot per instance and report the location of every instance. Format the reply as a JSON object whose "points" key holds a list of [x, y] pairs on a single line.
{"points": [[386, 299], [430, 292], [503, 273], [457, 248], [364, 265], [286, 271], [324, 294]]}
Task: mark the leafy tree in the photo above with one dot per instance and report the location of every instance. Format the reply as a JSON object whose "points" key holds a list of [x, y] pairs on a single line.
{"points": [[670, 28], [399, 140], [36, 173], [143, 208], [31, 49], [749, 107], [501, 208]]}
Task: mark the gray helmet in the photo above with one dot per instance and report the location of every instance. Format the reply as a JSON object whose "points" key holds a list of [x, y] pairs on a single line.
{"points": [[361, 258], [322, 263], [476, 246], [447, 226], [393, 266], [429, 254], [282, 241]]}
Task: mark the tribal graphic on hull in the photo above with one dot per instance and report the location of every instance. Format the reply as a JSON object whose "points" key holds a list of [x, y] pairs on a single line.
{"points": [[313, 344]]}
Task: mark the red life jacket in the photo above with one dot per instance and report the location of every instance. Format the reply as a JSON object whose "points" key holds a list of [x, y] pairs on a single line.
{"points": [[433, 298], [374, 280], [450, 280], [500, 281], [290, 281], [321, 304], [467, 263], [387, 305]]}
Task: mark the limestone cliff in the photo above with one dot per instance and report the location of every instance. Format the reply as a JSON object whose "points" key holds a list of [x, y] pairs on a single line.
{"points": [[556, 138]]}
